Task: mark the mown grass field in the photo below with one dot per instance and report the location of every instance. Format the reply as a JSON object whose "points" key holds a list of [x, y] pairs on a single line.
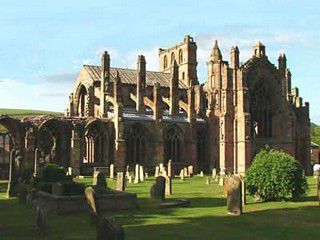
{"points": [[206, 218]]}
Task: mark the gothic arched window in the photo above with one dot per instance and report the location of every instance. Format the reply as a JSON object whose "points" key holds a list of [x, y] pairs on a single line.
{"points": [[165, 62], [180, 56], [172, 58], [136, 145], [173, 141]]}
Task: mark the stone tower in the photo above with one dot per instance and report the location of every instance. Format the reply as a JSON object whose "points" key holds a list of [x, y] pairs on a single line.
{"points": [[185, 54]]}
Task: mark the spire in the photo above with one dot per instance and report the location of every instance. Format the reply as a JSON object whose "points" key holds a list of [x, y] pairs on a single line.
{"points": [[216, 53]]}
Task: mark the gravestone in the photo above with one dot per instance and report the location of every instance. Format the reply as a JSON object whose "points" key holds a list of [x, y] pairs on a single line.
{"points": [[121, 181], [201, 174], [208, 181], [168, 189], [136, 174], [182, 174], [36, 162], [101, 180], [214, 173], [41, 220], [146, 176], [221, 180], [141, 174], [112, 171], [127, 171], [156, 172], [234, 199], [106, 228], [157, 191], [185, 172], [130, 179], [170, 170], [69, 171], [190, 171]]}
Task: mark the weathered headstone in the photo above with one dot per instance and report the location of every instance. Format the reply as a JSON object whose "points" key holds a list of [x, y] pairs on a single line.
{"points": [[185, 172], [221, 180], [214, 173], [190, 171], [156, 173], [112, 171], [41, 220], [208, 181], [106, 228], [101, 180], [141, 174], [70, 171], [136, 174], [157, 191], [168, 189], [182, 174], [170, 169], [234, 199], [146, 176], [121, 181], [243, 192], [201, 173]]}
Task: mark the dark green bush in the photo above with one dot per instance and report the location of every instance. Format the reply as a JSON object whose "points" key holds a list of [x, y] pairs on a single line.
{"points": [[53, 173], [275, 175]]}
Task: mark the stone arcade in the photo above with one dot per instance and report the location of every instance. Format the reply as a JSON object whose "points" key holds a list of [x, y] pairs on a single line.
{"points": [[133, 116]]}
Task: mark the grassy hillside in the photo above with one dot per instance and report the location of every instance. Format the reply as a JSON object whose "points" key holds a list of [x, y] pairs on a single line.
{"points": [[21, 113], [315, 133]]}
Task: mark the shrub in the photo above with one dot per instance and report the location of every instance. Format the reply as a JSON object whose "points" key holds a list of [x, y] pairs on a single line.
{"points": [[53, 173], [275, 175]]}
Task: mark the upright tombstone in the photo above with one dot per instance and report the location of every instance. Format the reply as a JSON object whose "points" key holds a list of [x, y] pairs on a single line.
{"points": [[234, 199], [127, 172], [185, 172], [101, 180], [170, 170], [121, 181], [112, 171], [214, 173], [208, 181], [106, 228], [70, 171], [157, 191], [141, 174], [136, 174], [190, 171], [243, 192], [201, 173], [168, 189], [221, 180], [146, 175], [41, 220], [156, 173], [182, 174]]}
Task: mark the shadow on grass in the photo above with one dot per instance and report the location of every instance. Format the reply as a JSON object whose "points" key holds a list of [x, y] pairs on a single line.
{"points": [[285, 223]]}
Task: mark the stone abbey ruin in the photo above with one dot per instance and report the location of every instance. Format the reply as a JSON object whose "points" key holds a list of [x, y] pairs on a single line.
{"points": [[133, 116]]}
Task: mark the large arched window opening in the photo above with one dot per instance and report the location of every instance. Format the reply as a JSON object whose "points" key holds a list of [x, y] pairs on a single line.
{"points": [[172, 58], [261, 110], [201, 143], [173, 141], [82, 100], [136, 145], [180, 56], [96, 144]]}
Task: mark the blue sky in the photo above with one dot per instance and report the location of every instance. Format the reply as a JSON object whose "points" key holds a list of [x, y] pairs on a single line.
{"points": [[43, 44]]}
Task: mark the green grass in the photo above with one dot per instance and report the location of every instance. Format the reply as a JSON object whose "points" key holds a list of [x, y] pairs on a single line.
{"points": [[205, 219]]}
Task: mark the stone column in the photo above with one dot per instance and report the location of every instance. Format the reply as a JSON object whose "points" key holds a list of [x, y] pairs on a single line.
{"points": [[36, 163], [75, 152], [12, 174], [121, 181]]}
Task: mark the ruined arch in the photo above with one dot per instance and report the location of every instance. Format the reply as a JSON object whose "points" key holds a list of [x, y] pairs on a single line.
{"points": [[96, 139]]}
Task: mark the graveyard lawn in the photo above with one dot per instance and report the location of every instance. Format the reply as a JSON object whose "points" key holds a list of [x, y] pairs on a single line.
{"points": [[206, 218]]}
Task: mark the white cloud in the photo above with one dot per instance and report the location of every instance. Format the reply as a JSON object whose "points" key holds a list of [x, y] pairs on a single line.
{"points": [[42, 95]]}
